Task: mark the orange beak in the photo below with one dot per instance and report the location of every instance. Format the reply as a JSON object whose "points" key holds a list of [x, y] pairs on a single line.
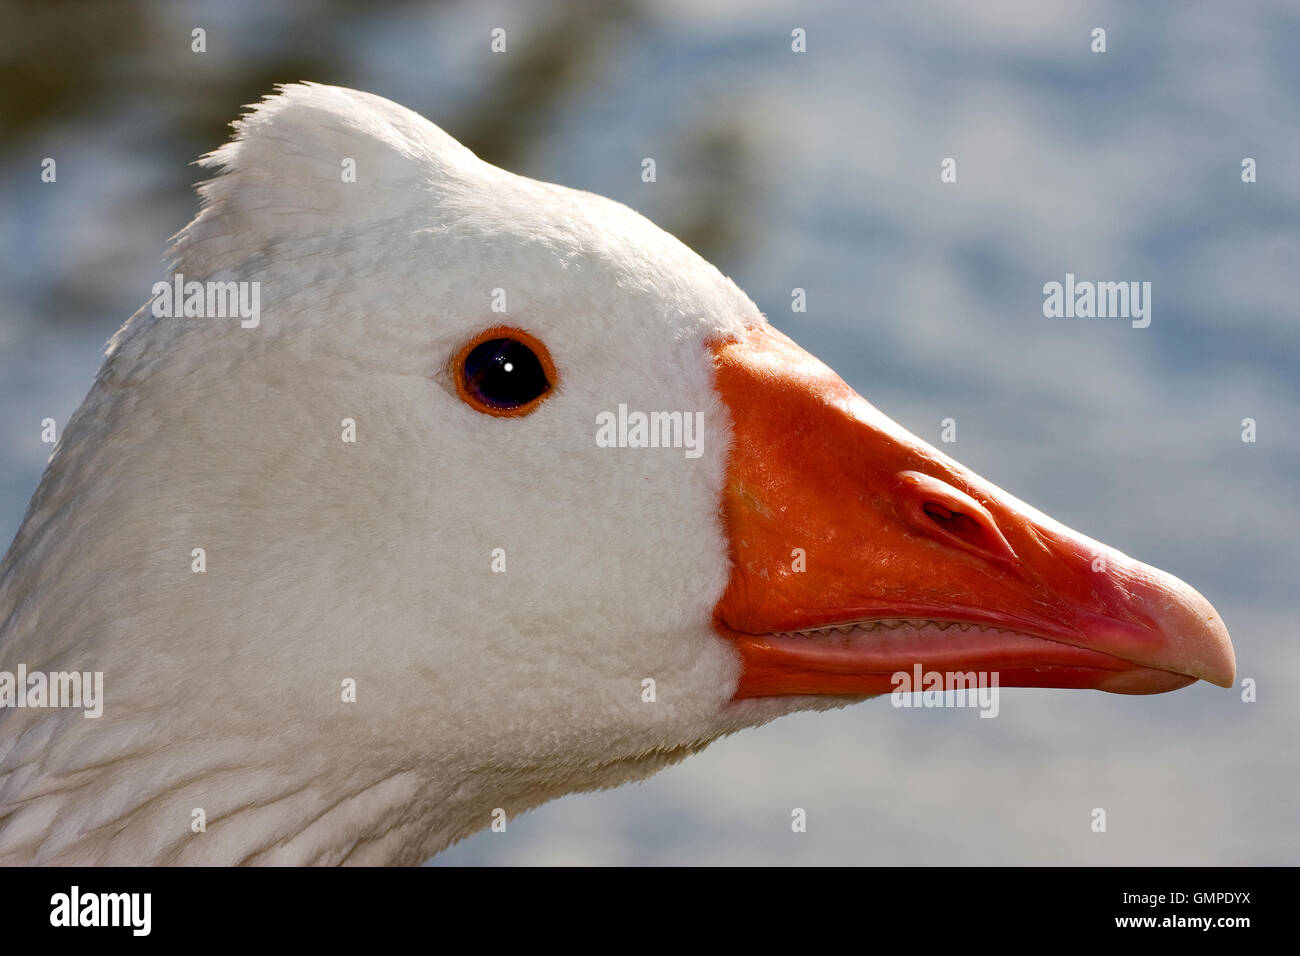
{"points": [[859, 552]]}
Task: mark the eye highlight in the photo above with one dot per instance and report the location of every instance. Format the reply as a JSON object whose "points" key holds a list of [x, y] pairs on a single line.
{"points": [[503, 371]]}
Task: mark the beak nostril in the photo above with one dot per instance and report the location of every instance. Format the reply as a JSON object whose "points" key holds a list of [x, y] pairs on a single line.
{"points": [[942, 511], [963, 526], [937, 511]]}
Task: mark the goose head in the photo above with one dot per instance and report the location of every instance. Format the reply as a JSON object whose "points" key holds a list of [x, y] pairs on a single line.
{"points": [[506, 494]]}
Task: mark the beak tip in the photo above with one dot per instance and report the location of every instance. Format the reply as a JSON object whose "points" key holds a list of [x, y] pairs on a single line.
{"points": [[1226, 674], [1196, 633]]}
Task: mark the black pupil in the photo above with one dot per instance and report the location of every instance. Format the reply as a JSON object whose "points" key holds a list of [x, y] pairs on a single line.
{"points": [[504, 373]]}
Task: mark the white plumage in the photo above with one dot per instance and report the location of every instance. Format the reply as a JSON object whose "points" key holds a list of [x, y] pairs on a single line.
{"points": [[370, 561]]}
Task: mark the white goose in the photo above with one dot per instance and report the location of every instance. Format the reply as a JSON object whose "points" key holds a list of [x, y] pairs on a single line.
{"points": [[485, 678]]}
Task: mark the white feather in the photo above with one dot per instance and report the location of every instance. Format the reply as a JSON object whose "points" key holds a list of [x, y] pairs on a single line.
{"points": [[371, 561]]}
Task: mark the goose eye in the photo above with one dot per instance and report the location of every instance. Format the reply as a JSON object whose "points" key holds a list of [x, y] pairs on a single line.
{"points": [[504, 371]]}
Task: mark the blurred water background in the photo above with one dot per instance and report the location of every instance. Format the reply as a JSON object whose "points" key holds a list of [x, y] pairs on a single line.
{"points": [[821, 171]]}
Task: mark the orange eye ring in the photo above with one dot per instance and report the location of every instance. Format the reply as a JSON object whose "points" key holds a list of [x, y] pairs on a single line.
{"points": [[483, 362]]}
